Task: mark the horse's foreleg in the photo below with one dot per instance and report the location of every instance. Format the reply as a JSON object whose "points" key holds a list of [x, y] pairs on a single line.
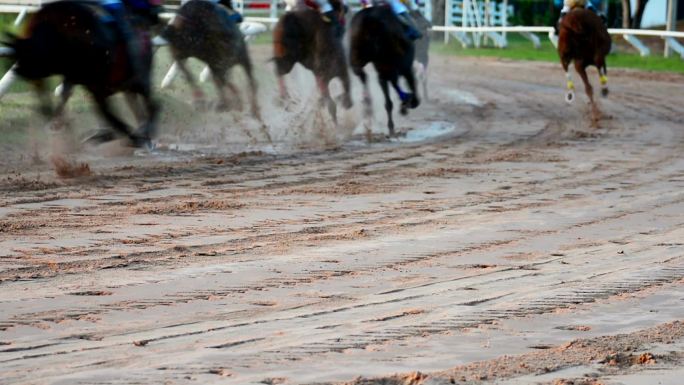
{"points": [[384, 84], [570, 85]]}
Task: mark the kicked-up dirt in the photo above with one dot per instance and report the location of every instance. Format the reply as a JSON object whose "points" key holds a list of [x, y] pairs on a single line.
{"points": [[517, 246]]}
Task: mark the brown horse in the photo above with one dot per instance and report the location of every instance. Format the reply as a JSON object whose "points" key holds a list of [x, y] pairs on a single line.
{"points": [[584, 39], [377, 36], [301, 36], [72, 39], [201, 30]]}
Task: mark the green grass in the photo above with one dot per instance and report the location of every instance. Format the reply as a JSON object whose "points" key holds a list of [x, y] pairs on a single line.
{"points": [[521, 49]]}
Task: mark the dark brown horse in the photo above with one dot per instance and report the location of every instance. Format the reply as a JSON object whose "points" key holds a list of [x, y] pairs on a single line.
{"points": [[377, 37], [584, 40], [201, 30], [301, 36], [72, 39]]}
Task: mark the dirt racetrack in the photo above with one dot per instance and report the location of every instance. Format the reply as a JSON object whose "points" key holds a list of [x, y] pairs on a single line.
{"points": [[521, 246]]}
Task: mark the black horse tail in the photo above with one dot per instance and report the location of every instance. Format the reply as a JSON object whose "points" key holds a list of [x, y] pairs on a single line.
{"points": [[35, 55]]}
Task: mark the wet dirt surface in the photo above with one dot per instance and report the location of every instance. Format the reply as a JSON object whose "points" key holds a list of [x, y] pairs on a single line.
{"points": [[501, 240]]}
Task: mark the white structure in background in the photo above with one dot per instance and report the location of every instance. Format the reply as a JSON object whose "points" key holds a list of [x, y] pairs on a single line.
{"points": [[477, 14]]}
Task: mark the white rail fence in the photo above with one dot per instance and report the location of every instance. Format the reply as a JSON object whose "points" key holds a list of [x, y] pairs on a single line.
{"points": [[470, 22]]}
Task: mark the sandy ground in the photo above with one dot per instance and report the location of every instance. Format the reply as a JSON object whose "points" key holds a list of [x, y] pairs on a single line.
{"points": [[519, 246]]}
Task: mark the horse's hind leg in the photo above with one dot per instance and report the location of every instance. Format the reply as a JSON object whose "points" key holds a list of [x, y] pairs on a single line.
{"points": [[45, 102], [411, 80], [326, 98], [346, 85], [135, 107], [116, 123], [582, 70], [367, 102], [197, 95], [254, 104], [570, 85], [384, 84], [220, 81], [603, 75], [149, 129]]}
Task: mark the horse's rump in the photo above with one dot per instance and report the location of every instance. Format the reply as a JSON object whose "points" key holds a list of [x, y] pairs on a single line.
{"points": [[74, 39], [289, 36], [200, 30], [377, 35], [584, 24]]}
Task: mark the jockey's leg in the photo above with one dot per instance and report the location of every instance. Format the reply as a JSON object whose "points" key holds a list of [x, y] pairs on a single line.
{"points": [[591, 7], [328, 15], [228, 13], [130, 40], [405, 18]]}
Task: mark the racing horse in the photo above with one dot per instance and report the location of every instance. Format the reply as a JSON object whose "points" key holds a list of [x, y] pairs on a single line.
{"points": [[202, 30], [301, 36], [584, 40], [73, 39], [377, 37]]}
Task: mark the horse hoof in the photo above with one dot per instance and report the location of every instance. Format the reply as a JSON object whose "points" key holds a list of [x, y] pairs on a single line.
{"points": [[415, 102], [570, 97], [347, 102], [604, 92], [222, 107], [403, 110], [141, 142]]}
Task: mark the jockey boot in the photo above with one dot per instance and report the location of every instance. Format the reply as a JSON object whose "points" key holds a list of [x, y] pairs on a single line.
{"points": [[410, 27], [229, 16]]}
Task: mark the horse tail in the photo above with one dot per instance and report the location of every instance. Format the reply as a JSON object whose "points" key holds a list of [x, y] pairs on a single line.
{"points": [[36, 52]]}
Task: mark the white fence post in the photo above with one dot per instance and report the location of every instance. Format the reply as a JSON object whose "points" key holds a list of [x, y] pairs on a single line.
{"points": [[636, 43], [20, 17], [6, 81], [428, 10], [670, 25], [274, 9], [448, 17]]}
